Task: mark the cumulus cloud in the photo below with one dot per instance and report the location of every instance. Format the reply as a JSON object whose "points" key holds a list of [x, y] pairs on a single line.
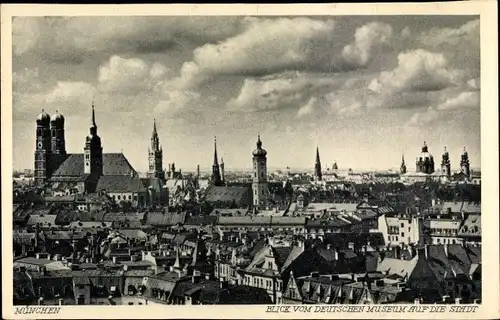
{"points": [[367, 39], [465, 34], [464, 101], [67, 91], [417, 70], [26, 80], [282, 91], [130, 76], [266, 46], [176, 102], [71, 39]]}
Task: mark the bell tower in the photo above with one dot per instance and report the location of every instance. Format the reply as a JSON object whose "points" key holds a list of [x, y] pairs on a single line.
{"points": [[259, 184], [464, 163], [155, 156], [93, 150], [43, 148], [446, 164], [58, 144]]}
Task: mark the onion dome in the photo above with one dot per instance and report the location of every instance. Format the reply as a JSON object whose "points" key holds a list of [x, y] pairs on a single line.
{"points": [[425, 152], [259, 152], [43, 118], [57, 119]]}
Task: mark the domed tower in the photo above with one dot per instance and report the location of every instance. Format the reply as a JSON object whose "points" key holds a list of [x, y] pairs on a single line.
{"points": [[318, 176], [464, 163], [155, 156], [259, 185], [446, 164], [93, 150], [425, 163], [402, 169], [216, 177], [43, 150], [58, 143]]}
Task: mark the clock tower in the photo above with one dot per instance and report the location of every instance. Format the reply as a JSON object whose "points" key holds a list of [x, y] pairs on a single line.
{"points": [[93, 151], [155, 156], [43, 148]]}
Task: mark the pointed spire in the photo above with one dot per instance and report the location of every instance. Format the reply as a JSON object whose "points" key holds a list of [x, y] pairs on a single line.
{"points": [[154, 127], [403, 159], [93, 115], [259, 143], [177, 264], [216, 161], [317, 154]]}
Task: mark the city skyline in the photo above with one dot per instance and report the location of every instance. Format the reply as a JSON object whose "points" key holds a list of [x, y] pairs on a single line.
{"points": [[357, 87]]}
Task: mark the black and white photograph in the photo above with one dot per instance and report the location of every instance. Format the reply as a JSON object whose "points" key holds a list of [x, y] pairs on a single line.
{"points": [[246, 160]]}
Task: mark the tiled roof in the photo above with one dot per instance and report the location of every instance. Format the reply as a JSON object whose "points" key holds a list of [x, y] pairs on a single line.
{"points": [[165, 219], [400, 267], [44, 220], [65, 217], [342, 240], [201, 220], [112, 163], [229, 212], [123, 216], [471, 226], [240, 195], [120, 183], [247, 220]]}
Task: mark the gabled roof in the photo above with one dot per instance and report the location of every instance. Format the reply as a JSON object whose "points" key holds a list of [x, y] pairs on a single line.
{"points": [[228, 194], [166, 219], [112, 164], [400, 267]]}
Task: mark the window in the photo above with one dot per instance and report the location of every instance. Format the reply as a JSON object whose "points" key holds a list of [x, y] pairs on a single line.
{"points": [[402, 225], [402, 234], [81, 286], [118, 197], [130, 197], [409, 229]]}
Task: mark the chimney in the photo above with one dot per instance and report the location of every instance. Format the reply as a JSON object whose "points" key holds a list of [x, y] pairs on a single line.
{"points": [[115, 260], [446, 249], [61, 301], [426, 248], [336, 253]]}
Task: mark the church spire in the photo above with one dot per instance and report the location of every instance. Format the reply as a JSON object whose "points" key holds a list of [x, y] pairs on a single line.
{"points": [[216, 177], [317, 167], [402, 169], [216, 160], [93, 125]]}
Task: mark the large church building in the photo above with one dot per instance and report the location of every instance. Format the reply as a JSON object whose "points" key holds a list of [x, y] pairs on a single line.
{"points": [[84, 173]]}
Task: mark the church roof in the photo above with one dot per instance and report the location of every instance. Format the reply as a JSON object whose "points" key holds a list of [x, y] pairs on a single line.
{"points": [[228, 194], [112, 163], [120, 183]]}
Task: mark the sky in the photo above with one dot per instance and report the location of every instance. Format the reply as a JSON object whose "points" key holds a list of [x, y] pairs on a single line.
{"points": [[364, 89]]}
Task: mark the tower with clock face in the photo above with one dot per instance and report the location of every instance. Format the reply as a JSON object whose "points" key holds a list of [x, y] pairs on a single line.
{"points": [[43, 148], [93, 151], [155, 156]]}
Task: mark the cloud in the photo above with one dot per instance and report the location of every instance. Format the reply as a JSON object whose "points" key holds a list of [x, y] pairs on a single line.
{"points": [[178, 102], [367, 39], [452, 106], [417, 70], [281, 91], [266, 46], [130, 76], [307, 108], [467, 34], [72, 39], [67, 92], [463, 100], [26, 80]]}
